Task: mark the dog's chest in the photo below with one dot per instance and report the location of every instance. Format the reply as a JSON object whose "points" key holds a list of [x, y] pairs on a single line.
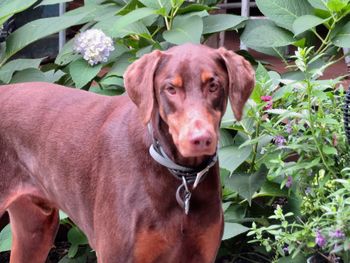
{"points": [[181, 243]]}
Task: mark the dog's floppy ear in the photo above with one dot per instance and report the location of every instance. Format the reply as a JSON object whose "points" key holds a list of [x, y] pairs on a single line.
{"points": [[241, 80], [138, 80]]}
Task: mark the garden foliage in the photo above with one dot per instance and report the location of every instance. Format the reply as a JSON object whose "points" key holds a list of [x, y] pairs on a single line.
{"points": [[284, 167]]}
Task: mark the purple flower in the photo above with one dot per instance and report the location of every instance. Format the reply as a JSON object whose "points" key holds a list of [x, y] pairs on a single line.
{"points": [[308, 190], [93, 45], [289, 182], [320, 240], [337, 234], [289, 128], [280, 140]]}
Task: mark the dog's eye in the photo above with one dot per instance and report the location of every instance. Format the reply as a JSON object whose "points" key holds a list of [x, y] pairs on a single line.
{"points": [[170, 89], [213, 86]]}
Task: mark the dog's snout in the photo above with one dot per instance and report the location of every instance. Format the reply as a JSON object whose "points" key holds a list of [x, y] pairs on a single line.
{"points": [[201, 140]]}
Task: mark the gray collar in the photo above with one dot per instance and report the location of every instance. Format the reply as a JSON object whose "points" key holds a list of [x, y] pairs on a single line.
{"points": [[189, 177]]}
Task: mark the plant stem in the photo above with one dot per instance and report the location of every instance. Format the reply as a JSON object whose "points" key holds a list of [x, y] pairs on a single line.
{"points": [[309, 90], [255, 149]]}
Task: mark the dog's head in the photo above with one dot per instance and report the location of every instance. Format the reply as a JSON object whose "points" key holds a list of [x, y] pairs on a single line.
{"points": [[189, 85]]}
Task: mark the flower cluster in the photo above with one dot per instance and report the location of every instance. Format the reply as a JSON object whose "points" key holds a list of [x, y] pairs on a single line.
{"points": [[320, 240], [289, 182], [94, 46], [280, 140]]}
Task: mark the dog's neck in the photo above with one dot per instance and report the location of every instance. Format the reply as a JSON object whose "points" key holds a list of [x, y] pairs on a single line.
{"points": [[162, 135]]}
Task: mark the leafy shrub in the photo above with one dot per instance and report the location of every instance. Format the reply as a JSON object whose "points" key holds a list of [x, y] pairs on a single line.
{"points": [[295, 129], [299, 23]]}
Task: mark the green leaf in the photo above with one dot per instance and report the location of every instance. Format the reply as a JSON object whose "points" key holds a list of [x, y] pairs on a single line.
{"points": [[342, 39], [231, 157], [120, 65], [11, 67], [113, 26], [38, 29], [235, 213], [221, 22], [66, 54], [270, 189], [264, 33], [193, 8], [112, 81], [306, 22], [329, 150], [76, 237], [247, 184], [53, 2], [226, 138], [159, 4], [10, 7], [5, 239], [283, 12], [82, 72], [28, 75], [319, 4], [185, 30], [336, 5], [233, 229]]}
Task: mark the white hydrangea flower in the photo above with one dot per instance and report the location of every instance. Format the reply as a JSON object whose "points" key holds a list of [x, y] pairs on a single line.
{"points": [[93, 45]]}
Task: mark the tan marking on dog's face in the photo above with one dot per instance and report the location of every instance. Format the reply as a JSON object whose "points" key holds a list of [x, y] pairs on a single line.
{"points": [[205, 76], [177, 81]]}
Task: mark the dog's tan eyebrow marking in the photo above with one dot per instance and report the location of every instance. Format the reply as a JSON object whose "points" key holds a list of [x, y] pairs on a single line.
{"points": [[177, 81], [206, 76]]}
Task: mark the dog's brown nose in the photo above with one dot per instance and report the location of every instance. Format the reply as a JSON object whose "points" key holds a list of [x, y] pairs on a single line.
{"points": [[201, 140]]}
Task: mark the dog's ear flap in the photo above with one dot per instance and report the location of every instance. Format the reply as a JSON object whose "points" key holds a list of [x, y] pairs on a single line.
{"points": [[241, 80], [138, 80]]}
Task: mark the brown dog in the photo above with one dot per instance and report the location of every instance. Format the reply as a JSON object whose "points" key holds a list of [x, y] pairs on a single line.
{"points": [[88, 155]]}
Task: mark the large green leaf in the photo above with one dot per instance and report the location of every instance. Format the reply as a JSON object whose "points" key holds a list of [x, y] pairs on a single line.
{"points": [[264, 33], [82, 72], [185, 30], [231, 157], [115, 26], [38, 29], [5, 239], [120, 65], [66, 54], [221, 22], [306, 22], [10, 7], [283, 12], [9, 68], [342, 39], [247, 184], [233, 229], [28, 75], [159, 4], [76, 237]]}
